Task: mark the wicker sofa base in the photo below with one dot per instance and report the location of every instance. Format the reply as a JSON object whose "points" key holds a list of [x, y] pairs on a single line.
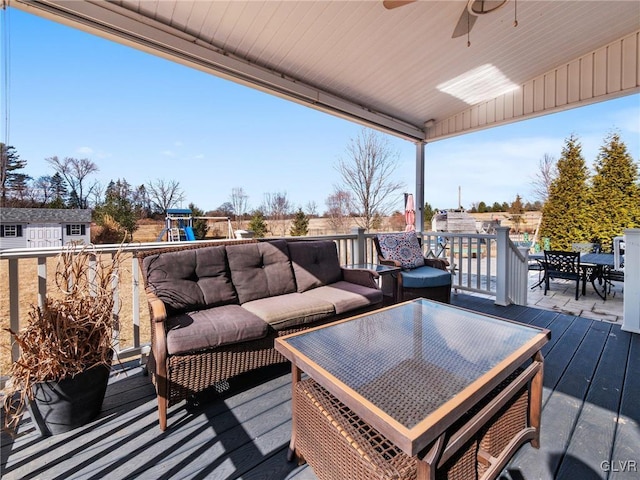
{"points": [[196, 372], [337, 444]]}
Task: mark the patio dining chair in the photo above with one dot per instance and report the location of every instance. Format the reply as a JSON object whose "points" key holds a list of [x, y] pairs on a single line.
{"points": [[562, 265]]}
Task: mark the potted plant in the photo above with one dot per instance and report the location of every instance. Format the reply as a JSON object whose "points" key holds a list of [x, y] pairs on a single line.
{"points": [[66, 348]]}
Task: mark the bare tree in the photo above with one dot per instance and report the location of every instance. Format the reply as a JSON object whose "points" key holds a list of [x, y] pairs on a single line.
{"points": [[367, 173], [164, 194], [278, 207], [43, 191], [311, 208], [239, 205], [547, 172], [338, 210], [75, 172]]}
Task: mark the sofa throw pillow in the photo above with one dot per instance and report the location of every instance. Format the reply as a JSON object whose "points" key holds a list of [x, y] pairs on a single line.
{"points": [[402, 247]]}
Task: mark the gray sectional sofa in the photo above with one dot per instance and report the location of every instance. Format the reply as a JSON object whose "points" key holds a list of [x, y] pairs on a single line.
{"points": [[217, 308]]}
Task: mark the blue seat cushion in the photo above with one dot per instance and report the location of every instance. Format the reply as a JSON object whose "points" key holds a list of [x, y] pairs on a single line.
{"points": [[425, 277]]}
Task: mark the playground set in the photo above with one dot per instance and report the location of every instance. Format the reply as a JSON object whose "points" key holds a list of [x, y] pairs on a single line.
{"points": [[179, 225]]}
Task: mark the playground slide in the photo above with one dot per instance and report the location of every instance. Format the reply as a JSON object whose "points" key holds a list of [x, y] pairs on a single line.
{"points": [[188, 231]]}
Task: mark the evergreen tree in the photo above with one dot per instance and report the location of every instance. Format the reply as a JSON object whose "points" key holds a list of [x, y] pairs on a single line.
{"points": [[615, 192], [118, 207], [59, 192], [141, 202], [200, 227], [11, 181], [517, 214], [429, 212], [565, 214], [258, 225], [300, 225]]}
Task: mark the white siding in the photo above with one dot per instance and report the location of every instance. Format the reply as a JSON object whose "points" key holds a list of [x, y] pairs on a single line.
{"points": [[14, 242], [607, 72], [84, 239]]}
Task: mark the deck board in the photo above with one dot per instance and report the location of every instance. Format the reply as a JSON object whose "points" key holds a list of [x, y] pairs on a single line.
{"points": [[590, 415], [625, 460], [593, 437]]}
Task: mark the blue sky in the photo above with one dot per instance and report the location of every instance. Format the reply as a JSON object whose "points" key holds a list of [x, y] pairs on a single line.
{"points": [[143, 118]]}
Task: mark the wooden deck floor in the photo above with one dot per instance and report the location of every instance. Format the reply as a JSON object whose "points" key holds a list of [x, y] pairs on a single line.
{"points": [[590, 420]]}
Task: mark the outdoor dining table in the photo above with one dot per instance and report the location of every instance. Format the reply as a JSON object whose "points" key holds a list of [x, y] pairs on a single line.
{"points": [[593, 268]]}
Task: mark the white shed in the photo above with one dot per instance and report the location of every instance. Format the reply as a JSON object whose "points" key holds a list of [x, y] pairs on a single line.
{"points": [[43, 227]]}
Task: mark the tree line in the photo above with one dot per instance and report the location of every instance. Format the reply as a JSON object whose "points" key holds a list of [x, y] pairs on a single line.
{"points": [[575, 206], [366, 192]]}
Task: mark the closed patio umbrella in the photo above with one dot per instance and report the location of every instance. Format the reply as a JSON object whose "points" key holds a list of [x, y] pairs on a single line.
{"points": [[409, 213]]}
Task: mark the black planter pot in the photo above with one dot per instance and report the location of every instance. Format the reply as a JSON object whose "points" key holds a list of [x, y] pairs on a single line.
{"points": [[70, 403]]}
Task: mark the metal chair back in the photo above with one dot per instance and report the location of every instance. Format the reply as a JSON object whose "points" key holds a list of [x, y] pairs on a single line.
{"points": [[561, 264]]}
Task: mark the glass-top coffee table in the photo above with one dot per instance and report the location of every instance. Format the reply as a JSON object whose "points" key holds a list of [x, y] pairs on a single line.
{"points": [[428, 377]]}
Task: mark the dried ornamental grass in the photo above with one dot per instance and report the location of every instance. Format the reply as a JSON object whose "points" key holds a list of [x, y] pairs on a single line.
{"points": [[71, 333]]}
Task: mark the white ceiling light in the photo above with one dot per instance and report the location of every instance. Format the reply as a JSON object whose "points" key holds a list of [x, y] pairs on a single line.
{"points": [[478, 85]]}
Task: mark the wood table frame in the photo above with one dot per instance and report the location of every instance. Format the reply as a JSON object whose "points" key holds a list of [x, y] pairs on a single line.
{"points": [[430, 440]]}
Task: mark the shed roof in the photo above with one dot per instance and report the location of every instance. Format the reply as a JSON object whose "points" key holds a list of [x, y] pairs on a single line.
{"points": [[45, 215]]}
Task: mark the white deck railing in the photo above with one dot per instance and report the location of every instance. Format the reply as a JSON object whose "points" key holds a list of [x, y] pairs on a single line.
{"points": [[476, 261]]}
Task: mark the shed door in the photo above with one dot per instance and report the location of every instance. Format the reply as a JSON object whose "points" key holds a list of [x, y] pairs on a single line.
{"points": [[44, 235]]}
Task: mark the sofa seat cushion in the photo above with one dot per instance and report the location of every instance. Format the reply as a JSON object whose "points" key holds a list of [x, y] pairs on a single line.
{"points": [[213, 327], [346, 296], [315, 263], [260, 270], [425, 277], [286, 311]]}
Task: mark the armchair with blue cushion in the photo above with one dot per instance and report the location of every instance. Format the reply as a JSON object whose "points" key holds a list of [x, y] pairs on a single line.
{"points": [[420, 277]]}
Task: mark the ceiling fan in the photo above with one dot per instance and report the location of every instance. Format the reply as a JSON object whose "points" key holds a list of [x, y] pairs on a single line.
{"points": [[472, 10]]}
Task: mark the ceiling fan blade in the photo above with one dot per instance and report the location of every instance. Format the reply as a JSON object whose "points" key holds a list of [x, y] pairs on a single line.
{"points": [[391, 4], [464, 25]]}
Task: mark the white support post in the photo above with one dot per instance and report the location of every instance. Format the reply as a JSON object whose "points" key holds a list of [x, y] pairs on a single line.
{"points": [[502, 267], [631, 316], [420, 187]]}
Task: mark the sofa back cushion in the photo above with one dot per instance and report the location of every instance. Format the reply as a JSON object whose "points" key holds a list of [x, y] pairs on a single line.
{"points": [[260, 270], [401, 247], [315, 263], [188, 280]]}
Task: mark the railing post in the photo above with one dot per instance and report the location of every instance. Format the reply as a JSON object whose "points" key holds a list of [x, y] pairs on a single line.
{"points": [[360, 247], [502, 267], [14, 305], [523, 281], [631, 316]]}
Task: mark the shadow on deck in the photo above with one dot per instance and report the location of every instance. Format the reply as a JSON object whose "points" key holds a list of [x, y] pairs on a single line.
{"points": [[590, 419]]}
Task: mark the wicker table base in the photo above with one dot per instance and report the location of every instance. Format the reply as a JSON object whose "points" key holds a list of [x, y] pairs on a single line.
{"points": [[338, 445]]}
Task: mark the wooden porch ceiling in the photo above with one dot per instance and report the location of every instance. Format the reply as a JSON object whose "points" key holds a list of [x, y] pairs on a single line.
{"points": [[397, 70]]}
